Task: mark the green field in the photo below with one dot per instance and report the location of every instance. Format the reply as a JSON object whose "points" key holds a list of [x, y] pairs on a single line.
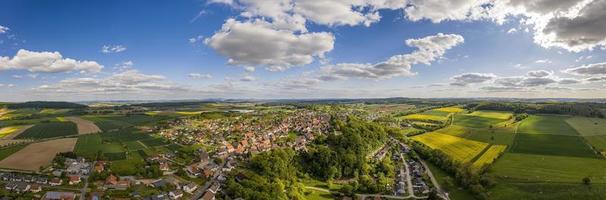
{"points": [[547, 124], [7, 151], [598, 142], [91, 145], [492, 114], [114, 122], [547, 144], [460, 149], [448, 183], [134, 145], [516, 167], [49, 130], [129, 166], [478, 119], [489, 156], [588, 126], [547, 191]]}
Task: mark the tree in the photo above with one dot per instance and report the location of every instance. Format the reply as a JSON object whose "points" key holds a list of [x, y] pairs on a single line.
{"points": [[587, 181]]}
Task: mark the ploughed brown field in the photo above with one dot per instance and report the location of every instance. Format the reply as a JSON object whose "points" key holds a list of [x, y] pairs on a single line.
{"points": [[38, 154], [84, 126]]}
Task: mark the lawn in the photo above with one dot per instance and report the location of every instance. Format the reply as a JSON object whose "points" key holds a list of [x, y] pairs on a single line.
{"points": [[546, 144], [516, 167], [547, 124], [49, 130], [588, 126], [460, 149], [489, 156], [312, 194]]}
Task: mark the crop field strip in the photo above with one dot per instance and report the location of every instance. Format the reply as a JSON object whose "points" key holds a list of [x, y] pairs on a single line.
{"points": [[489, 156], [49, 130], [460, 149]]}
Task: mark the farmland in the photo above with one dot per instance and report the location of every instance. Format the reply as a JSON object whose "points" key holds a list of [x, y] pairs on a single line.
{"points": [[90, 145], [489, 156], [37, 154], [49, 130], [547, 124], [425, 117], [114, 122], [12, 131], [459, 149], [84, 126]]}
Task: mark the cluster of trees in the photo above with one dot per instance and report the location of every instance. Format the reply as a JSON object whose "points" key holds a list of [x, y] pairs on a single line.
{"points": [[267, 176], [475, 181], [581, 109], [344, 155]]}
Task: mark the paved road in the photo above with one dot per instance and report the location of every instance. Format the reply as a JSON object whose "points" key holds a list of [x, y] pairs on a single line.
{"points": [[408, 180], [85, 188], [441, 192]]}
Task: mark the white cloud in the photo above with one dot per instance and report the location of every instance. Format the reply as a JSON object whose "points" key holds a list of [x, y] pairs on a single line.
{"points": [[596, 79], [248, 78], [566, 81], [471, 78], [199, 76], [50, 62], [112, 49], [440, 10], [539, 73], [588, 70], [430, 48], [249, 69], [543, 61], [3, 29], [131, 81], [512, 30], [197, 39], [257, 43]]}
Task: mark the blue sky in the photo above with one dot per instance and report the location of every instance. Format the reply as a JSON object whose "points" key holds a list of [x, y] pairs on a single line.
{"points": [[240, 49]]}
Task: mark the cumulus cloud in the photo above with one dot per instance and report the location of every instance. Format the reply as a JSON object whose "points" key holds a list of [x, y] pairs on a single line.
{"points": [[3, 29], [112, 49], [293, 14], [471, 78], [525, 81], [50, 62], [199, 76], [539, 73], [430, 48], [131, 81], [588, 70], [440, 10], [257, 43], [543, 61]]}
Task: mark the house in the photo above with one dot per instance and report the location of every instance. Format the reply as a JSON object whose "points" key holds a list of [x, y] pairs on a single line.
{"points": [[164, 166], [10, 186], [111, 180], [190, 188], [176, 194], [207, 172], [159, 183], [55, 182], [214, 188], [74, 179], [42, 180], [22, 187], [99, 166], [59, 196], [208, 196], [193, 170], [35, 188]]}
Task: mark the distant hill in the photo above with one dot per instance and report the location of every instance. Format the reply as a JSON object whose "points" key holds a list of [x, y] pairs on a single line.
{"points": [[45, 104]]}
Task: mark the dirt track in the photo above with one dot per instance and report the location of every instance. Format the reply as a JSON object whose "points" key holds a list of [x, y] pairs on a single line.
{"points": [[84, 126], [38, 154]]}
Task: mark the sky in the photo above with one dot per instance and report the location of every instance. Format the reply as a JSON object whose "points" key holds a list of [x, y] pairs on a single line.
{"points": [[283, 49]]}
